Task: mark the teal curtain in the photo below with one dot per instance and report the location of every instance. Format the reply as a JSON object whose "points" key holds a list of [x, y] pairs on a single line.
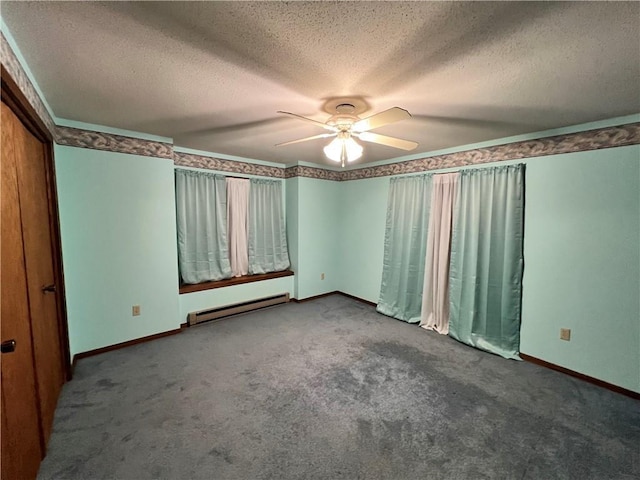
{"points": [[201, 204], [266, 228], [405, 243], [487, 260]]}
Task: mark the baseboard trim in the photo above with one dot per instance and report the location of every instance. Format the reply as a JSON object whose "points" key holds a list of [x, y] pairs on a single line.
{"points": [[335, 292], [581, 376], [117, 346], [315, 297], [362, 300]]}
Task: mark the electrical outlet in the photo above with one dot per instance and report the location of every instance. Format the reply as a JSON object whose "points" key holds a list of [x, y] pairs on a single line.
{"points": [[135, 310], [322, 276], [565, 334]]}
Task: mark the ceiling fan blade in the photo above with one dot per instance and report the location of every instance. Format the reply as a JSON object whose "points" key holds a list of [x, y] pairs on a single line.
{"points": [[386, 117], [309, 120], [386, 140], [322, 135]]}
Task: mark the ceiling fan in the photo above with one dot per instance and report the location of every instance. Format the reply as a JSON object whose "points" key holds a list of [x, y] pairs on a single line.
{"points": [[345, 124]]}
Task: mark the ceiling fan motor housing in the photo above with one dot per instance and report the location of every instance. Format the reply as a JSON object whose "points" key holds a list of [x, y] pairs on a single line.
{"points": [[344, 117]]}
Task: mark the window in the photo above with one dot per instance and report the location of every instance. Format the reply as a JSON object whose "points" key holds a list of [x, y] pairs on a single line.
{"points": [[228, 226]]}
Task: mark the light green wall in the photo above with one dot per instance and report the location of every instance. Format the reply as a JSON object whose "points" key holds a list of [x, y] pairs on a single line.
{"points": [[582, 263], [582, 258], [117, 220], [319, 237], [362, 222], [118, 226], [291, 207]]}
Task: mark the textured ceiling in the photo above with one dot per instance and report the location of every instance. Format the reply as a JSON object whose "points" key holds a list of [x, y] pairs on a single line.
{"points": [[212, 75]]}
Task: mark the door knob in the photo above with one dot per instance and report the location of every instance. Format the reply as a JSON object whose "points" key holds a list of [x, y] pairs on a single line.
{"points": [[8, 346], [49, 288]]}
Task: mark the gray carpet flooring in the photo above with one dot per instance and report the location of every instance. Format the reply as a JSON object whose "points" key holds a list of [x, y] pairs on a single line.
{"points": [[329, 389]]}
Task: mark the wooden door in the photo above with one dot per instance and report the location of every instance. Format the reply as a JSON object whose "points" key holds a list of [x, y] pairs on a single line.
{"points": [[21, 427], [38, 247]]}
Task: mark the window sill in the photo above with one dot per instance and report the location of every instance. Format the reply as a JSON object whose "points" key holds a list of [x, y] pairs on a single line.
{"points": [[187, 288]]}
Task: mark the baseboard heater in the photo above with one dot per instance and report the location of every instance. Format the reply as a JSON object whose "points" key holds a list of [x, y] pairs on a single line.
{"points": [[220, 312]]}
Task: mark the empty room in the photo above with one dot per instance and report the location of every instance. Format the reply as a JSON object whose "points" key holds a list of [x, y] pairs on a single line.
{"points": [[320, 240]]}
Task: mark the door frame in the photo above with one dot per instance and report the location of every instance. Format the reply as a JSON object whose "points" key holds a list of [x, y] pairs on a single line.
{"points": [[13, 97]]}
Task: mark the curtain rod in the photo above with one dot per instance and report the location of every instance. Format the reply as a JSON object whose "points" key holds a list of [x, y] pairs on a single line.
{"points": [[216, 172], [212, 172]]}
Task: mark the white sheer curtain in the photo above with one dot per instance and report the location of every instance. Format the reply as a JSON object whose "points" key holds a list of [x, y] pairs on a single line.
{"points": [[237, 208], [435, 297]]}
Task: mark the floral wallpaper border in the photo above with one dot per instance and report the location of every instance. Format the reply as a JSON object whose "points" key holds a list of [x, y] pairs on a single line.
{"points": [[76, 137], [231, 166], [608, 137], [312, 172]]}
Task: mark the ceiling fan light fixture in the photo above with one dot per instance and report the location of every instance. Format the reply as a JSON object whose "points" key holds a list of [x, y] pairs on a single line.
{"points": [[353, 148], [343, 149], [346, 124], [333, 151]]}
